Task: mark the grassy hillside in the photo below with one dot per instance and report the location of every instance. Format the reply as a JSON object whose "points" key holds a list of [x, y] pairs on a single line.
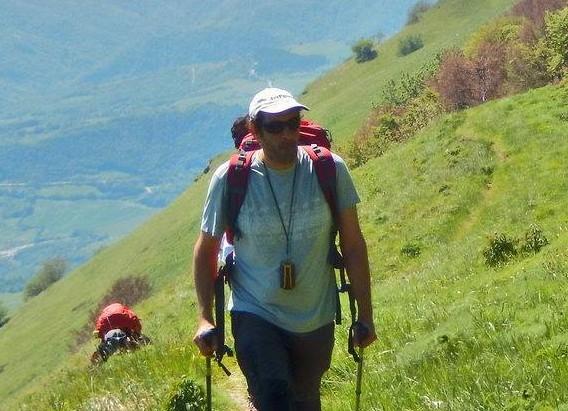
{"points": [[454, 333], [342, 98], [44, 327]]}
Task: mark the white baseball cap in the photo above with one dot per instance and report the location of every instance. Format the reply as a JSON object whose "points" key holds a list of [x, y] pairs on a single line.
{"points": [[273, 100]]}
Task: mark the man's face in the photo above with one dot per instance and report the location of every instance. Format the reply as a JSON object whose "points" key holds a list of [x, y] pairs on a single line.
{"points": [[278, 135]]}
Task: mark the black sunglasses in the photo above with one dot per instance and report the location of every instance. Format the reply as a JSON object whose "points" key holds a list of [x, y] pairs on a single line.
{"points": [[277, 127]]}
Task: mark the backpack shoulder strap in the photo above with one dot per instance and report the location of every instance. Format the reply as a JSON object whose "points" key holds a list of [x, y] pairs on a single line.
{"points": [[324, 166], [237, 180]]}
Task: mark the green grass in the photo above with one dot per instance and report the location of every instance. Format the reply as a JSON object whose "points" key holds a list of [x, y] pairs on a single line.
{"points": [[453, 333]]}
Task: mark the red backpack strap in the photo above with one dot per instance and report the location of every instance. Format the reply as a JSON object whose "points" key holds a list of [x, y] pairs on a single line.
{"points": [[237, 180], [324, 166]]}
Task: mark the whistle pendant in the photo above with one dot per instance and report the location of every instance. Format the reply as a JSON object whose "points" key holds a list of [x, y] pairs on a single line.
{"points": [[287, 276]]}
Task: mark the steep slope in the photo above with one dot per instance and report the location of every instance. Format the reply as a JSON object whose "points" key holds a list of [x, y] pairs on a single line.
{"points": [[444, 317], [456, 333]]}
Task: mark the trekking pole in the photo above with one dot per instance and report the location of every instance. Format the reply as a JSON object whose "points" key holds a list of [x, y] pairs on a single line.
{"points": [[208, 336], [359, 378], [208, 381], [362, 333]]}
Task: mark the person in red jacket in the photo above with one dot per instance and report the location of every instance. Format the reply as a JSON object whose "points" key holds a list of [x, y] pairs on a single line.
{"points": [[119, 329]]}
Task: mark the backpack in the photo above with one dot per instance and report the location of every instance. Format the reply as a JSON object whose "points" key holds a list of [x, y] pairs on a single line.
{"points": [[314, 139], [117, 316], [310, 133]]}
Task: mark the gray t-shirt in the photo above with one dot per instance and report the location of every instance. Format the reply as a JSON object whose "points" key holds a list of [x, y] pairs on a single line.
{"points": [[261, 248]]}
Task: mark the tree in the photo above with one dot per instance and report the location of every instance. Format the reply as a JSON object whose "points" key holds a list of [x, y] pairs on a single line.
{"points": [[364, 51], [50, 272]]}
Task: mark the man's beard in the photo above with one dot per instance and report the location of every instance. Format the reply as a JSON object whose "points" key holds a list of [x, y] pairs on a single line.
{"points": [[285, 153]]}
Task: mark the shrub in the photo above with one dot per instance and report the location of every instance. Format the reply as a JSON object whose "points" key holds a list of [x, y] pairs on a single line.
{"points": [[419, 113], [489, 71], [410, 44], [128, 291], [364, 51], [535, 10], [411, 250], [504, 30], [556, 42], [527, 67], [534, 240], [454, 81], [50, 272], [187, 396], [387, 127], [501, 249], [3, 314], [416, 12], [410, 85]]}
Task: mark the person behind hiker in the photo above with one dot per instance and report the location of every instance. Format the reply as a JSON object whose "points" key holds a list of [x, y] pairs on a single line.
{"points": [[283, 336], [239, 130], [119, 329]]}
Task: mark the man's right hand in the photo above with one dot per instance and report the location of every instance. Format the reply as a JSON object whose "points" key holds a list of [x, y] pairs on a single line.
{"points": [[206, 338]]}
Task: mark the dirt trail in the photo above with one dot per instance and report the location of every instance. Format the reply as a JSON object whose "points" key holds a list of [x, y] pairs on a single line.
{"points": [[487, 196], [236, 388]]}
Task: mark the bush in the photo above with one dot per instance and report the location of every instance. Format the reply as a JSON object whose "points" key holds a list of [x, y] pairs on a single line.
{"points": [[500, 250], [556, 42], [504, 30], [364, 51], [3, 314], [535, 10], [454, 81], [187, 396], [419, 113], [410, 85], [410, 44], [50, 272], [534, 240], [416, 12], [411, 250], [490, 72], [527, 68]]}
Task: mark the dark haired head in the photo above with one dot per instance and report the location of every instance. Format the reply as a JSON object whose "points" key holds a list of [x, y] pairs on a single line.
{"points": [[239, 130]]}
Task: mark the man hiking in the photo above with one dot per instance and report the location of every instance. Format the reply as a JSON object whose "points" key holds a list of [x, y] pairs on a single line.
{"points": [[283, 292]]}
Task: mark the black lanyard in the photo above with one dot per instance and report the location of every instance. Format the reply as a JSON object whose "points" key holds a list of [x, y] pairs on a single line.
{"points": [[287, 232]]}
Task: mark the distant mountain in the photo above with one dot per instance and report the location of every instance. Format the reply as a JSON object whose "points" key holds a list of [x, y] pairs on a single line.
{"points": [[109, 109]]}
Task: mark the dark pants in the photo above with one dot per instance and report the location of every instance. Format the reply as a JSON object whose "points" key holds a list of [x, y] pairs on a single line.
{"points": [[283, 369]]}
